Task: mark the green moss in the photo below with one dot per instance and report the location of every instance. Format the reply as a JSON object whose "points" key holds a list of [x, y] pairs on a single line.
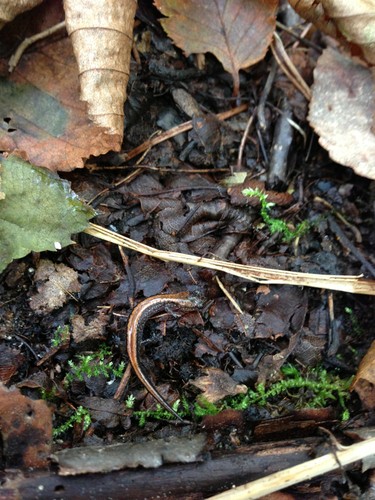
{"points": [[93, 365], [276, 225], [80, 415], [60, 336]]}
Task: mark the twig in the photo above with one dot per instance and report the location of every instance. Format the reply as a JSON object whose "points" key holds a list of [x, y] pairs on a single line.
{"points": [[244, 138], [14, 60], [288, 67]]}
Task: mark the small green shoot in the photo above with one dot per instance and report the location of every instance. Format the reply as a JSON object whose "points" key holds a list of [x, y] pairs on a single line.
{"points": [[276, 225], [159, 414], [93, 365], [80, 415], [60, 336], [130, 400]]}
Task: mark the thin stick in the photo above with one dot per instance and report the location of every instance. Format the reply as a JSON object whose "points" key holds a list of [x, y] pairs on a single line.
{"points": [[288, 67], [14, 60], [244, 138]]}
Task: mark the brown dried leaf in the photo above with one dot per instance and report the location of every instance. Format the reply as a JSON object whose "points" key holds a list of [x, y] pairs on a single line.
{"points": [[353, 22], [217, 385], [10, 362], [341, 111], [43, 115], [26, 429], [101, 33], [94, 330], [9, 9], [364, 381], [237, 32]]}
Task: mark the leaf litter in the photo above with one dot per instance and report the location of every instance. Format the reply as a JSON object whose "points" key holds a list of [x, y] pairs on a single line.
{"points": [[191, 212]]}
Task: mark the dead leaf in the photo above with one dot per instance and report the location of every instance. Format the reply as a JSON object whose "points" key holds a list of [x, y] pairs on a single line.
{"points": [[364, 381], [102, 35], [10, 361], [217, 385], [55, 283], [280, 312], [26, 429], [10, 9], [352, 22], [94, 330], [237, 32], [342, 109], [41, 112]]}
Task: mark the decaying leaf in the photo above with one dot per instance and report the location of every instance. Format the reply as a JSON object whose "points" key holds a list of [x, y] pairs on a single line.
{"points": [[342, 110], [217, 384], [364, 381], [55, 283], [93, 330], [42, 114], [353, 22], [26, 429], [237, 32], [10, 362], [9, 9], [150, 454], [39, 211], [101, 32]]}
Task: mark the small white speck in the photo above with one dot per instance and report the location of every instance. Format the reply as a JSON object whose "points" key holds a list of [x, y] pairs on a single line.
{"points": [[57, 245]]}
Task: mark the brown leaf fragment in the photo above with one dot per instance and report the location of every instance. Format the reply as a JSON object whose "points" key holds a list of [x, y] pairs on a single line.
{"points": [[55, 283], [94, 330], [342, 109], [237, 32], [10, 362], [280, 312], [26, 429], [364, 381], [102, 33], [9, 9], [41, 112], [217, 384]]}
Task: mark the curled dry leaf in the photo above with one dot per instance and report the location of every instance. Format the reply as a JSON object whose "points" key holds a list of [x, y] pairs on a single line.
{"points": [[101, 34], [237, 32], [42, 113], [9, 9], [364, 381], [352, 21], [342, 109]]}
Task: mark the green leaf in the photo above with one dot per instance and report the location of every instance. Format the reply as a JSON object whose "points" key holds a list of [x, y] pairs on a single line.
{"points": [[38, 210]]}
